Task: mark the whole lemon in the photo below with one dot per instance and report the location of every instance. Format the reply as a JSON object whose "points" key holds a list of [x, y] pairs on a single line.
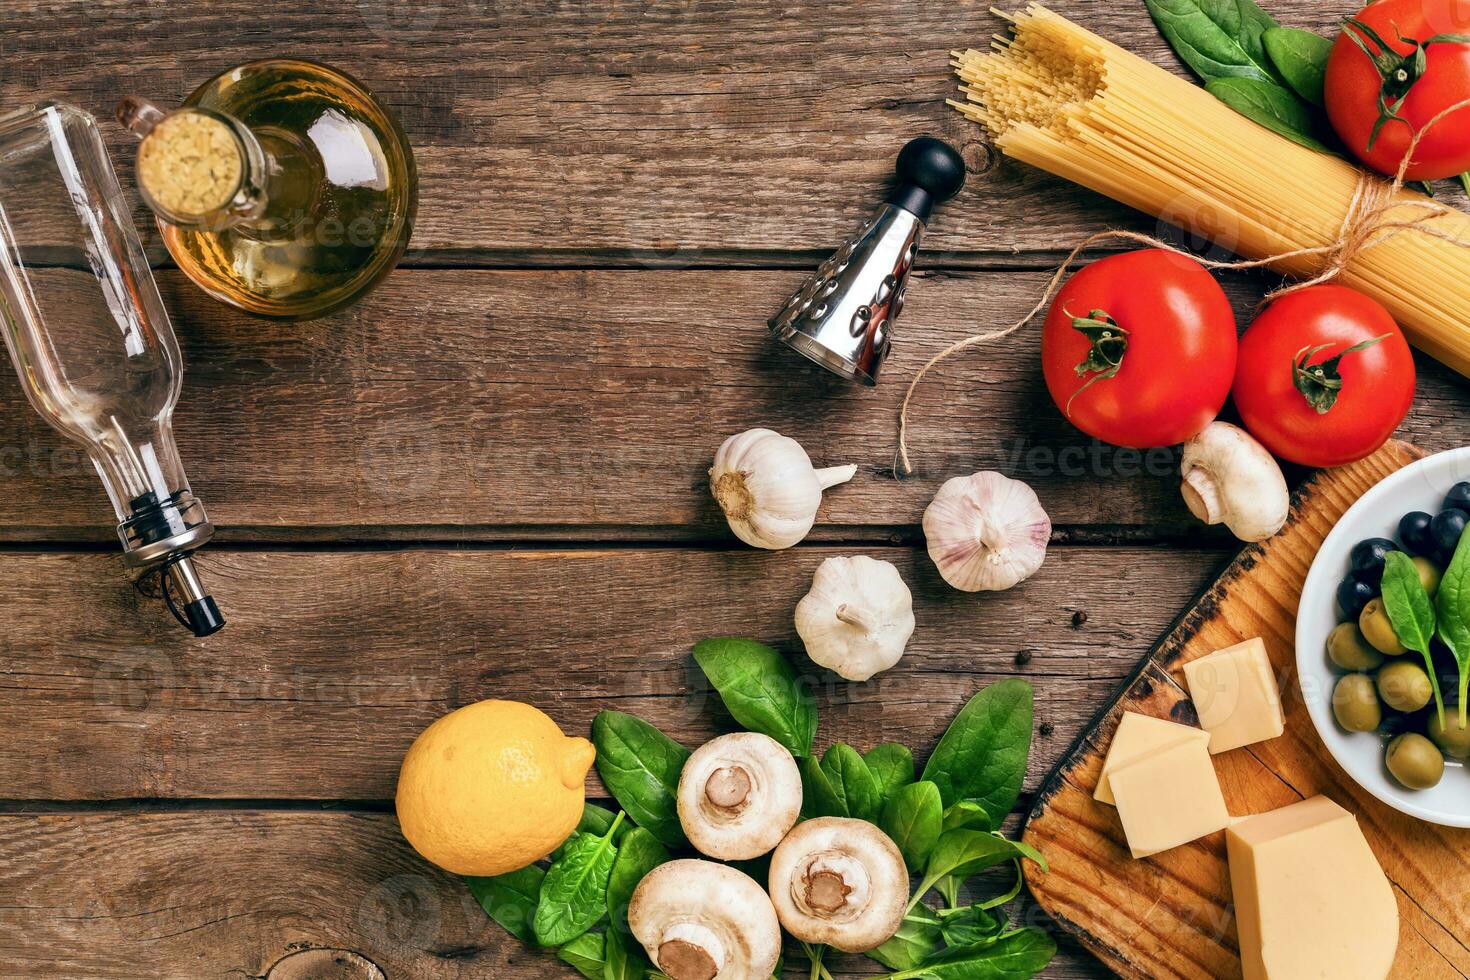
{"points": [[491, 788]]}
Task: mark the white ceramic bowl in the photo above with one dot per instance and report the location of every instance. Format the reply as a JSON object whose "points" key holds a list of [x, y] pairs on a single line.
{"points": [[1419, 486]]}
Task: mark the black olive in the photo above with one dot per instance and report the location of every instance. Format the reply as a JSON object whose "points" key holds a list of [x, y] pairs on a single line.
{"points": [[1445, 531], [1459, 497], [1367, 557], [1353, 594], [1414, 533]]}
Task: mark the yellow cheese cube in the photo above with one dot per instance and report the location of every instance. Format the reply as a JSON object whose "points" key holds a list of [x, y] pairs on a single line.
{"points": [[1234, 692], [1168, 797], [1310, 898], [1138, 735]]}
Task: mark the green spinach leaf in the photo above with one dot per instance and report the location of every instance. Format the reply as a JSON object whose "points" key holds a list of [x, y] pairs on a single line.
{"points": [[982, 756], [913, 819], [574, 892], [970, 926], [969, 815], [1411, 612], [1271, 106], [639, 853], [510, 899], [761, 690], [892, 765], [1217, 38], [852, 782], [962, 853], [619, 963], [640, 766], [1016, 955], [585, 954], [1452, 602], [1301, 58], [596, 820], [917, 941], [818, 796]]}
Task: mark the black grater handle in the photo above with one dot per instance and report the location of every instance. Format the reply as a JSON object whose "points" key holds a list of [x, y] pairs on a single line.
{"points": [[929, 172]]}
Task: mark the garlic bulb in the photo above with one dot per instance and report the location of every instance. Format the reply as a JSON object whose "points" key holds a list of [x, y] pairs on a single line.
{"points": [[1231, 479], [986, 532], [857, 618], [769, 490]]}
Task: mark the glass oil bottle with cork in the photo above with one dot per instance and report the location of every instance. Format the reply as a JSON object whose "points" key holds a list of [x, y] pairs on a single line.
{"points": [[282, 187]]}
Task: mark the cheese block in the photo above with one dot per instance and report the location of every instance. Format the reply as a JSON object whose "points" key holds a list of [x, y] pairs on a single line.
{"points": [[1234, 692], [1310, 898], [1168, 797], [1137, 735]]}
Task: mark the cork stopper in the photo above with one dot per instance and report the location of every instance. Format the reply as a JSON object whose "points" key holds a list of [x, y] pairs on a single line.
{"points": [[190, 165]]}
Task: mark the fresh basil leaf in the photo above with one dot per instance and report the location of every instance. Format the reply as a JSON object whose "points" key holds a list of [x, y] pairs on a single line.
{"points": [[982, 756], [1411, 612], [968, 815], [640, 766], [852, 782], [892, 765], [818, 797], [1017, 955], [596, 820], [970, 926], [917, 941], [574, 892], [619, 963], [1301, 58], [1217, 38], [962, 853], [761, 691], [1271, 106], [1452, 602], [510, 899], [638, 853], [913, 819], [585, 954]]}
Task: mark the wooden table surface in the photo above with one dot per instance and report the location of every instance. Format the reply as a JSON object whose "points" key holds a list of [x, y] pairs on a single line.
{"points": [[488, 480]]}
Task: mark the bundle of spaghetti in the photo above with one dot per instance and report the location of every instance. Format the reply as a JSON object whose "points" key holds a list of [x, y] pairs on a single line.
{"points": [[1063, 99]]}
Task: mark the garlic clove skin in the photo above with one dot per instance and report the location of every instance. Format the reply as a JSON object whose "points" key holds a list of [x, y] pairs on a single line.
{"points": [[1229, 478], [986, 532], [858, 617], [768, 489]]}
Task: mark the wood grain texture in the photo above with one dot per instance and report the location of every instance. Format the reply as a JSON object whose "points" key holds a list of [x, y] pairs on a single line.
{"points": [[499, 404], [1170, 915], [662, 131], [333, 662]]}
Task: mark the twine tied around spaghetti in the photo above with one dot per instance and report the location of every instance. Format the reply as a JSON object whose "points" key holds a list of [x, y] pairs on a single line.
{"points": [[1369, 221]]}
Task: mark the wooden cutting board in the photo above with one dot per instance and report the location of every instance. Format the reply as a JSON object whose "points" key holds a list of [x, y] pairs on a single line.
{"points": [[1170, 915]]}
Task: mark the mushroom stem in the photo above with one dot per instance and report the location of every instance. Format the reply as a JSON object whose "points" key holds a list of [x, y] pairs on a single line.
{"points": [[833, 475], [826, 891], [854, 616], [680, 959], [728, 787], [1202, 494]]}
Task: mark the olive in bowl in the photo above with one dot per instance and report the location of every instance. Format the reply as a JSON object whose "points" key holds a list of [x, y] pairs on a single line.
{"points": [[1414, 761], [1347, 648], [1452, 737], [1404, 686], [1378, 629], [1355, 703]]}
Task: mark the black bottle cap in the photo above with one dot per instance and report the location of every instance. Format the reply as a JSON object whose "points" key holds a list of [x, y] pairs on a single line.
{"points": [[203, 617], [929, 172]]}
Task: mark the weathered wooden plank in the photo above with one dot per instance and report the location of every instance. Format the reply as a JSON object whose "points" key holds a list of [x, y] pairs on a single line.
{"points": [[333, 662], [657, 130], [504, 404], [180, 896]]}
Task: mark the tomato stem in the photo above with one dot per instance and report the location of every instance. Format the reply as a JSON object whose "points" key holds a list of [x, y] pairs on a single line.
{"points": [[1321, 383], [1105, 357], [1398, 72]]}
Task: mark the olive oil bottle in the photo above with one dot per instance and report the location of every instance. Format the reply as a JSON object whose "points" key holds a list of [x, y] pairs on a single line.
{"points": [[282, 187]]}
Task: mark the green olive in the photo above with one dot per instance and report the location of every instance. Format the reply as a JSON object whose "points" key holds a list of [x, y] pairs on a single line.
{"points": [[1404, 686], [1415, 761], [1429, 575], [1347, 648], [1453, 736], [1355, 703], [1377, 629]]}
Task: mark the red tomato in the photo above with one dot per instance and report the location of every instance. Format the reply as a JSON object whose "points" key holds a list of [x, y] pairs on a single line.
{"points": [[1292, 359], [1355, 82], [1139, 349]]}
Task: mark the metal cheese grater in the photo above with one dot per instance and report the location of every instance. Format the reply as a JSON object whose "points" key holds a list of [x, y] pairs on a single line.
{"points": [[842, 318]]}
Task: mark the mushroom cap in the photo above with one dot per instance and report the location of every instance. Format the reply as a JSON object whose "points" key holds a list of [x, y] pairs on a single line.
{"points": [[692, 916], [738, 796], [857, 618], [840, 882]]}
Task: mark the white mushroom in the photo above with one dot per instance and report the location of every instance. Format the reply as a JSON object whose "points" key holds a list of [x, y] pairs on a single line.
{"points": [[704, 921], [738, 796], [1231, 479], [767, 487], [839, 882], [857, 618]]}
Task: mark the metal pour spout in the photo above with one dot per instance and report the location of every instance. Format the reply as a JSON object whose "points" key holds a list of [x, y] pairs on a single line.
{"points": [[199, 611]]}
